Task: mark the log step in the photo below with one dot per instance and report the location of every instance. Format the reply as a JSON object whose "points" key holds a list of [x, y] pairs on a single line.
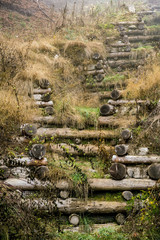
{"points": [[26, 161], [78, 150], [123, 102], [125, 63], [83, 134], [144, 38], [115, 122], [44, 104], [73, 205], [24, 184], [41, 91], [136, 159], [93, 228]]}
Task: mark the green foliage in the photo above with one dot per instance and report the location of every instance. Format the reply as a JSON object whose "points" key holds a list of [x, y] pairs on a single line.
{"points": [[117, 77]]}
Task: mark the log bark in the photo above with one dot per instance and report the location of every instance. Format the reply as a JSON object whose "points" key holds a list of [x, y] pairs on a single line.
{"points": [[136, 32], [121, 150], [117, 171], [144, 38], [44, 83], [154, 171], [136, 159], [74, 219], [80, 150], [116, 122], [23, 184], [107, 110], [49, 110], [49, 120], [38, 151], [125, 184], [70, 133], [29, 130], [119, 55], [123, 102], [26, 161], [116, 94], [125, 63], [72, 205], [126, 23], [44, 104], [126, 134], [42, 173], [41, 91], [104, 86], [4, 172]]}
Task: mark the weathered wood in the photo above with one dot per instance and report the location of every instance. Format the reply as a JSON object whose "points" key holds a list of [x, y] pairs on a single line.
{"points": [[64, 194], [80, 150], [99, 77], [145, 13], [117, 171], [41, 91], [125, 184], [116, 94], [154, 171], [44, 83], [23, 184], [38, 151], [26, 161], [44, 104], [71, 133], [29, 130], [72, 205], [49, 120], [126, 134], [4, 172], [136, 32], [123, 102], [119, 55], [49, 110], [136, 159], [120, 218], [127, 195], [144, 38], [121, 150], [116, 122], [42, 173], [74, 219], [126, 23], [92, 228], [125, 63], [107, 110]]}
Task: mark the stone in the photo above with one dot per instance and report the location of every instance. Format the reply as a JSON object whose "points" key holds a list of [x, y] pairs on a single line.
{"points": [[140, 173], [120, 218], [130, 172], [20, 172], [127, 195]]}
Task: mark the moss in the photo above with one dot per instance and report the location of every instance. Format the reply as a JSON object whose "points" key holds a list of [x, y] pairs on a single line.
{"points": [[114, 78], [109, 196]]}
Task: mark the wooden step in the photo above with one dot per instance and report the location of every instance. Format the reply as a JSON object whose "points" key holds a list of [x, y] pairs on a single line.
{"points": [[125, 63], [41, 91], [26, 161], [149, 38], [44, 104], [70, 133], [125, 102], [136, 159]]}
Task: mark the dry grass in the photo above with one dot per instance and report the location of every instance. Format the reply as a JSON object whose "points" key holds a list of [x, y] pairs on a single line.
{"points": [[146, 85]]}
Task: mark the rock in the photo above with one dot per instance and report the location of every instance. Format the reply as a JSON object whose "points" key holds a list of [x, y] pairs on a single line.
{"points": [[140, 173], [90, 67], [131, 9], [49, 110], [20, 172], [120, 218], [143, 151], [64, 194], [130, 172], [127, 195], [74, 219]]}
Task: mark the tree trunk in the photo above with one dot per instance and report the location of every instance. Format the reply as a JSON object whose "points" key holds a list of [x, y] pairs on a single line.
{"points": [[38, 151], [144, 38], [44, 83], [26, 161], [119, 55], [136, 159], [44, 104], [4, 172], [29, 130], [107, 110], [125, 63], [116, 122], [64, 194], [154, 171], [74, 219], [125, 184], [49, 110], [115, 94], [123, 102], [117, 171], [23, 184], [42, 173], [83, 134], [42, 91], [126, 134], [121, 150], [72, 205]]}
